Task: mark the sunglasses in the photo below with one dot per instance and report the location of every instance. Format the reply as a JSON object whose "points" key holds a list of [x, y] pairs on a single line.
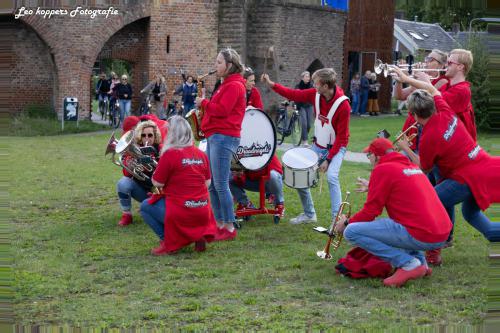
{"points": [[430, 59], [149, 135], [449, 63]]}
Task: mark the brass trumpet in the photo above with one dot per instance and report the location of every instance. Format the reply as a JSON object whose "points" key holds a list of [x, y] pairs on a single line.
{"points": [[403, 134], [195, 116], [383, 68], [334, 239]]}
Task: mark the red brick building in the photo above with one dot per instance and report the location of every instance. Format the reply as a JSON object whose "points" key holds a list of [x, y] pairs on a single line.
{"points": [[48, 59]]}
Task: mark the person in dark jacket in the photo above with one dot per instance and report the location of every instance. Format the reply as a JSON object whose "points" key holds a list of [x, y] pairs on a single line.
{"points": [[305, 109], [124, 93], [188, 90], [365, 87]]}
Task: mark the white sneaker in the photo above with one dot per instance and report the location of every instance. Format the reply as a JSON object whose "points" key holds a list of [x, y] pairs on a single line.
{"points": [[303, 218]]}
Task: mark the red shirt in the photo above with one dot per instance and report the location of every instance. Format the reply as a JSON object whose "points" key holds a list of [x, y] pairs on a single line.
{"points": [[225, 111], [458, 97], [446, 143], [275, 164], [255, 100], [188, 216], [409, 198], [340, 120]]}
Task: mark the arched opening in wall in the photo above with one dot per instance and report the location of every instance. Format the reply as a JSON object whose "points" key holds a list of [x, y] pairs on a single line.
{"points": [[124, 53], [33, 84], [314, 66]]}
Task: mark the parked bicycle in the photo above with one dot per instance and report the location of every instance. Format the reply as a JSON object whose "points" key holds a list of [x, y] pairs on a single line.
{"points": [[103, 106], [288, 125], [145, 107]]}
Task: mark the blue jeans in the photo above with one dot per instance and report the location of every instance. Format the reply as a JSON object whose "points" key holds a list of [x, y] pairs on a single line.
{"points": [[364, 101], [389, 241], [355, 102], [154, 216], [332, 177], [187, 107], [124, 109], [306, 121], [220, 150], [451, 192], [274, 186], [127, 189]]}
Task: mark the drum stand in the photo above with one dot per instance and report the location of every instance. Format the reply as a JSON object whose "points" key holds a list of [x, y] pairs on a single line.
{"points": [[246, 212]]}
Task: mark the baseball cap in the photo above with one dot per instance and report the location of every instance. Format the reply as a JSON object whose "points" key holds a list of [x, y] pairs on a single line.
{"points": [[379, 147]]}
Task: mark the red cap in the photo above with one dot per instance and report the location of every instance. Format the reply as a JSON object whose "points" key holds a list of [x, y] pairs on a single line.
{"points": [[379, 147], [129, 123]]}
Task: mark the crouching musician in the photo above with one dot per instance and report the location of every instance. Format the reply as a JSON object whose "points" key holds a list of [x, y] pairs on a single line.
{"points": [[417, 220]]}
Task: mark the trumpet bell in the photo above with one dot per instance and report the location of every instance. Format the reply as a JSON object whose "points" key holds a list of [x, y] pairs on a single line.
{"points": [[111, 145], [324, 255]]}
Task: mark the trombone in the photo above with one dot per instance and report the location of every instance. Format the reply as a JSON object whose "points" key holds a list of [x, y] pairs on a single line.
{"points": [[383, 68], [334, 239]]}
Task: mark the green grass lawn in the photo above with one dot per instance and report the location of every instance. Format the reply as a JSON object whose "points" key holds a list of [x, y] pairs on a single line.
{"points": [[74, 266]]}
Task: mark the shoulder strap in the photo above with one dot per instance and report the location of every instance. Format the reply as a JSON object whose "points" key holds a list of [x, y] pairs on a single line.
{"points": [[335, 106]]}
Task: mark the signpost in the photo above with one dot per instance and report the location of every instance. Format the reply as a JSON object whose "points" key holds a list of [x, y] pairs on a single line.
{"points": [[70, 110]]}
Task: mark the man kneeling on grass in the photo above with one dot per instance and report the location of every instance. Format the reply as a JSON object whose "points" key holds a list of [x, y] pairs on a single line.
{"points": [[417, 220]]}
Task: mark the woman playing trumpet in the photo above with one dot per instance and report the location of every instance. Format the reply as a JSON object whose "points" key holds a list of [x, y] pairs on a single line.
{"points": [[221, 125]]}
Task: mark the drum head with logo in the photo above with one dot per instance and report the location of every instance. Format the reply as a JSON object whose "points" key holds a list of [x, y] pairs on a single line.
{"points": [[258, 140], [300, 158]]}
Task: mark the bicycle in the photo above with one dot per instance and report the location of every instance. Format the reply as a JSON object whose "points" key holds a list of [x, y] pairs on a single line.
{"points": [[288, 125], [145, 107], [114, 115], [103, 107]]}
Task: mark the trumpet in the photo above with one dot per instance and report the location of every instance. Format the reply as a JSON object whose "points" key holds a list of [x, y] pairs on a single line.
{"points": [[195, 116], [403, 134], [334, 239], [383, 68]]}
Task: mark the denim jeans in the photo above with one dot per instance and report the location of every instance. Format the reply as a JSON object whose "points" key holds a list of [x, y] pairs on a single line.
{"points": [[154, 216], [124, 109], [355, 102], [187, 107], [332, 177], [451, 192], [364, 101], [306, 121], [127, 189], [388, 240], [274, 186], [220, 150]]}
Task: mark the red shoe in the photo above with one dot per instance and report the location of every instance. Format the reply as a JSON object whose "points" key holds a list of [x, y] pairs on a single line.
{"points": [[224, 234], [162, 250], [433, 257], [401, 276], [125, 220], [428, 272], [271, 198], [200, 245], [280, 210]]}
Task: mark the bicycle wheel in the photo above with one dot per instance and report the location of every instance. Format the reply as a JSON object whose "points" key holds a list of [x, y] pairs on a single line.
{"points": [[280, 128], [295, 130]]}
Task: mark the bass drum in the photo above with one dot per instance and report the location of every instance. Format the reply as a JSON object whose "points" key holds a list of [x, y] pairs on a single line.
{"points": [[258, 141]]}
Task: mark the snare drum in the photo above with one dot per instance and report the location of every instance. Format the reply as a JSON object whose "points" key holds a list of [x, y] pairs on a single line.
{"points": [[300, 168], [258, 141]]}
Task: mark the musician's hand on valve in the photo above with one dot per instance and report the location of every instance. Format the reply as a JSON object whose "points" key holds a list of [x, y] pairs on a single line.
{"points": [[362, 184], [324, 166], [340, 226], [403, 143], [265, 78], [198, 101], [398, 74], [422, 76]]}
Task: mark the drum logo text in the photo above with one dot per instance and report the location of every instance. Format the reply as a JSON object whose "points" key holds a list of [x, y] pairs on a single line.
{"points": [[254, 150]]}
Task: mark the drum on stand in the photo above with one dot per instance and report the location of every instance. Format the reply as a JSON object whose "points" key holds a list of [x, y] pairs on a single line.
{"points": [[258, 141], [300, 168]]}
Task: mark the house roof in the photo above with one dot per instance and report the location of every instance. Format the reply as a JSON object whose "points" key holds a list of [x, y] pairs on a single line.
{"points": [[423, 36]]}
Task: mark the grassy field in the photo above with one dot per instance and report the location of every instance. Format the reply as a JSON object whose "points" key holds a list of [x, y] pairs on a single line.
{"points": [[74, 266]]}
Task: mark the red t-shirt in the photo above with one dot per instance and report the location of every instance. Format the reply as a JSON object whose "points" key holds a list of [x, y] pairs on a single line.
{"points": [[275, 164], [458, 97], [255, 100], [225, 111], [340, 121], [188, 215], [409, 198], [446, 143]]}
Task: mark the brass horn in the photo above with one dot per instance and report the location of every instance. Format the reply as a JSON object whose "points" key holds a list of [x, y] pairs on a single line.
{"points": [[135, 165], [334, 239], [195, 116], [110, 148], [383, 68], [403, 134]]}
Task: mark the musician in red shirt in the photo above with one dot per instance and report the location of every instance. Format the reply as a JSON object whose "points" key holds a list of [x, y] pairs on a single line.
{"points": [[181, 214], [249, 180], [253, 95], [417, 220], [471, 176], [221, 125], [331, 133]]}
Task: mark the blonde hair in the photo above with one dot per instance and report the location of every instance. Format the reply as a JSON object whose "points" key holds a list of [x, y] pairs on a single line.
{"points": [[232, 57], [179, 134], [304, 73], [465, 58], [124, 76], [326, 76], [148, 123], [421, 103]]}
